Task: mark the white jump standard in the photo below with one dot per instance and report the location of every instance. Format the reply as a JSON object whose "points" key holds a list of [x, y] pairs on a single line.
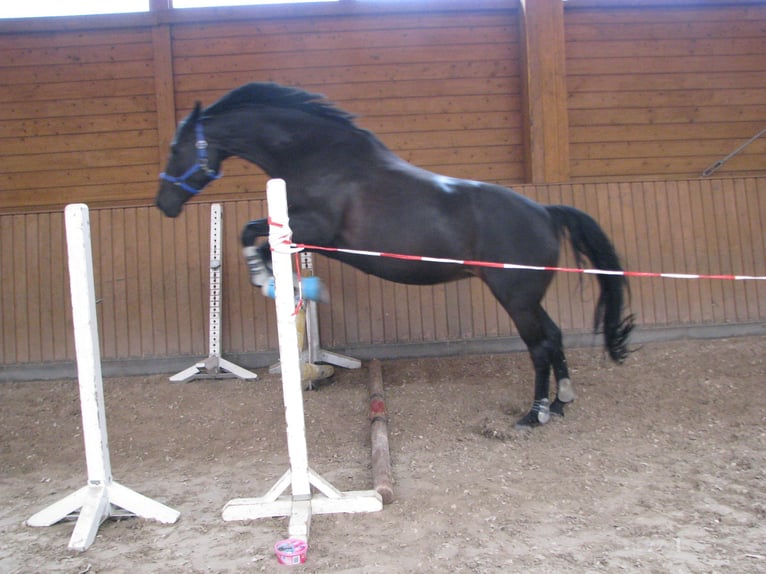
{"points": [[302, 503], [215, 366], [98, 500]]}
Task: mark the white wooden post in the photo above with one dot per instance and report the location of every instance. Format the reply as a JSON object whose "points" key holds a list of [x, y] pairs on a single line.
{"points": [[96, 500], [215, 366], [299, 477]]}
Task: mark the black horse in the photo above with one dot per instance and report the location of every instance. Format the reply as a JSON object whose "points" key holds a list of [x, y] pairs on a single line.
{"points": [[346, 189]]}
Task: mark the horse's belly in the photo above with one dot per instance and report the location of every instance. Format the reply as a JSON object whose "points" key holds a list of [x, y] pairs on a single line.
{"points": [[410, 272]]}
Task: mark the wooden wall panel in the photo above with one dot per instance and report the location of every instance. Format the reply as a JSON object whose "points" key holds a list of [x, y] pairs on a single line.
{"points": [[34, 293], [656, 94], [708, 227], [442, 90], [76, 117], [665, 92]]}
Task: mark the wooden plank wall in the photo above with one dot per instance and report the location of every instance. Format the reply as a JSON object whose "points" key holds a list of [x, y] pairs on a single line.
{"points": [[665, 91], [152, 277], [656, 94], [441, 90], [80, 110], [77, 118]]}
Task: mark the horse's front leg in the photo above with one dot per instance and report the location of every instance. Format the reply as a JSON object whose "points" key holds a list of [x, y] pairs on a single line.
{"points": [[257, 257], [258, 260]]}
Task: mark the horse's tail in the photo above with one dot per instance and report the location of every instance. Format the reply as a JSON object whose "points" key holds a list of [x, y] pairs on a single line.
{"points": [[587, 238]]}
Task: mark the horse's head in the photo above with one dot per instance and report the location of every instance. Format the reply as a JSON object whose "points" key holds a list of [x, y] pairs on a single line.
{"points": [[193, 163]]}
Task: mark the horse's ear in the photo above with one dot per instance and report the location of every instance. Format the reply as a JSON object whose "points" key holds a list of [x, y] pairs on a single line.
{"points": [[197, 111]]}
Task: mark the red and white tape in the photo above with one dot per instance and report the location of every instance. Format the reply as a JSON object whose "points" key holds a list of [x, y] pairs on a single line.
{"points": [[494, 265]]}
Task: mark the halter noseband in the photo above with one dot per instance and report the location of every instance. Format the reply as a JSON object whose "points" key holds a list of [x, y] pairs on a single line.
{"points": [[200, 165]]}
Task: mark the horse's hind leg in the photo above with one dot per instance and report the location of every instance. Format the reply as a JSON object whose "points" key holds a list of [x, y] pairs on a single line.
{"points": [[544, 341], [564, 388], [257, 258], [534, 330]]}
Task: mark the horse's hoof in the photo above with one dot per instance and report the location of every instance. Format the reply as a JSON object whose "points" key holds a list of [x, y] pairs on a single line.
{"points": [[528, 421], [565, 392], [557, 408], [539, 415], [257, 268]]}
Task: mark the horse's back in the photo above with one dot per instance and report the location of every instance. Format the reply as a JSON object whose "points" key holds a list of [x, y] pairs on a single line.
{"points": [[513, 227]]}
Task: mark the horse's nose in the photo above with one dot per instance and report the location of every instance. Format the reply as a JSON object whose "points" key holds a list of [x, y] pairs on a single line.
{"points": [[167, 204]]}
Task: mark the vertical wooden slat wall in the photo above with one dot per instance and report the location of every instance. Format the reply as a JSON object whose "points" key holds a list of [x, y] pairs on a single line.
{"points": [[152, 276]]}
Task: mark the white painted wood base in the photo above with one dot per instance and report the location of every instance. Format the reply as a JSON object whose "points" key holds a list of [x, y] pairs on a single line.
{"points": [[329, 500], [95, 504]]}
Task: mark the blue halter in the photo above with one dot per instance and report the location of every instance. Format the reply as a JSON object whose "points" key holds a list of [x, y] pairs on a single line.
{"points": [[200, 165]]}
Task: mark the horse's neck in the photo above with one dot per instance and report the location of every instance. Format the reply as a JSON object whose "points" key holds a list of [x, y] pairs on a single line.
{"points": [[284, 145]]}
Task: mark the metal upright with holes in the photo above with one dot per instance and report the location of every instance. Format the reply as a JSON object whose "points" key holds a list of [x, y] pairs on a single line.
{"points": [[214, 367]]}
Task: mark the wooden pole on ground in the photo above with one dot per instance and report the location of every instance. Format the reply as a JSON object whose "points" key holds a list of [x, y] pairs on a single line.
{"points": [[381, 460]]}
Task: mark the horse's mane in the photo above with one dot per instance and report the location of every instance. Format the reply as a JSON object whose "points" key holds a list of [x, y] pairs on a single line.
{"points": [[270, 94]]}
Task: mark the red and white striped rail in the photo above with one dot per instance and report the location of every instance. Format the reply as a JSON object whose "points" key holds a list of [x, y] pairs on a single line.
{"points": [[497, 265]]}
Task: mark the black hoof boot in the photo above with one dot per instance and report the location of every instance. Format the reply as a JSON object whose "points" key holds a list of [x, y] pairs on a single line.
{"points": [[539, 415], [557, 408]]}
